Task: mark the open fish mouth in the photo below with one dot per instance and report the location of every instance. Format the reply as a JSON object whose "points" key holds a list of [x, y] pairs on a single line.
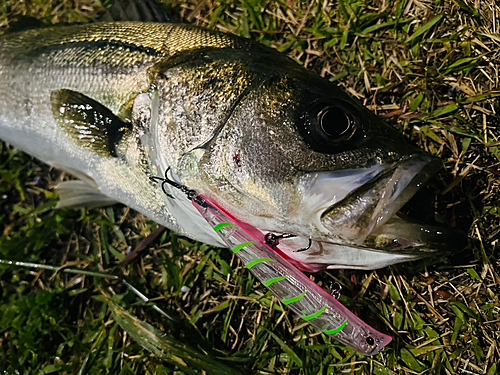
{"points": [[358, 210], [367, 208]]}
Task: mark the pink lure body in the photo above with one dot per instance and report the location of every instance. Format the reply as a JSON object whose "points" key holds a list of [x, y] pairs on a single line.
{"points": [[290, 285]]}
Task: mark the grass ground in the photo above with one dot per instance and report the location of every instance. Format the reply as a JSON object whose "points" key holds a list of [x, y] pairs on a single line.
{"points": [[430, 68]]}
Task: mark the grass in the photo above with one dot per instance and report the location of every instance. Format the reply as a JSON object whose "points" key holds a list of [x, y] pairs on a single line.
{"points": [[428, 67]]}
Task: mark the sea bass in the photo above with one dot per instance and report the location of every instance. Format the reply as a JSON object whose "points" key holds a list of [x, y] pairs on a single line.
{"points": [[280, 148]]}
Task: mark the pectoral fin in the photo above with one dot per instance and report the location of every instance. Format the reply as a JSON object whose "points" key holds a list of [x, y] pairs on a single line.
{"points": [[88, 123], [78, 193]]}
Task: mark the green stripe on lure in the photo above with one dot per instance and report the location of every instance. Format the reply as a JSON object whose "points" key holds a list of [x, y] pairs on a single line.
{"points": [[288, 284]]}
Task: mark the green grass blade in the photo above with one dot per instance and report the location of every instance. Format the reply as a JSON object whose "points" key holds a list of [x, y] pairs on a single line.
{"points": [[293, 356], [164, 347], [425, 28], [444, 110]]}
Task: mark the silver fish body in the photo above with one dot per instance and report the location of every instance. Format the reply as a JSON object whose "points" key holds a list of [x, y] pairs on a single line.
{"points": [[109, 63], [277, 146]]}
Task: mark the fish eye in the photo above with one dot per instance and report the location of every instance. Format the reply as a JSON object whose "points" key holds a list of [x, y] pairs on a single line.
{"points": [[336, 123], [370, 341], [329, 125]]}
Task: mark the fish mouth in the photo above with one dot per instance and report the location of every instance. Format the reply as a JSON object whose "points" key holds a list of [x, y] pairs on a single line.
{"points": [[369, 207], [358, 212]]}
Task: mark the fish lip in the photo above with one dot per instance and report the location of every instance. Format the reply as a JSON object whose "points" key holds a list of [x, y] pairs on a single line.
{"points": [[407, 236], [389, 238], [401, 187], [370, 206], [320, 191]]}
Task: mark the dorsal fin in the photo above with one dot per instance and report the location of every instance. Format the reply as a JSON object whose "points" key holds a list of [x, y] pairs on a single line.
{"points": [[21, 23], [135, 10], [120, 11]]}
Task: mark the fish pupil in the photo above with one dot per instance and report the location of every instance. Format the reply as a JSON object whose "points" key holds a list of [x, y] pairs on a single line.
{"points": [[329, 126], [334, 122]]}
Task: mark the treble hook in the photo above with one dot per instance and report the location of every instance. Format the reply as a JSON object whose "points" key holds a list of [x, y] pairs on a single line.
{"points": [[273, 240], [189, 193], [304, 248]]}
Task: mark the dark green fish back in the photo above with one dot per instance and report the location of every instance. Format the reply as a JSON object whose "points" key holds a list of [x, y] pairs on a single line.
{"points": [[108, 62], [120, 43]]}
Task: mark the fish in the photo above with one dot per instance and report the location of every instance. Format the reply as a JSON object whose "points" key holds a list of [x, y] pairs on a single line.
{"points": [[118, 104]]}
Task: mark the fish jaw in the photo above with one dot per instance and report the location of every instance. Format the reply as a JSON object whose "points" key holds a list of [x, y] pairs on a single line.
{"points": [[395, 242], [321, 191], [371, 205], [363, 228], [325, 255]]}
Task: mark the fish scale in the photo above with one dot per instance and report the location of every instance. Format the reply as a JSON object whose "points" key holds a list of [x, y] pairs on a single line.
{"points": [[160, 38], [270, 142]]}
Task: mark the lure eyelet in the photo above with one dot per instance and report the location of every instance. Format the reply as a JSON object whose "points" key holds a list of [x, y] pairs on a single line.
{"points": [[370, 341]]}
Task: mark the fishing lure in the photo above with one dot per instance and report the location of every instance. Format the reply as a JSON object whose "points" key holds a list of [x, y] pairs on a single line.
{"points": [[291, 286], [287, 283]]}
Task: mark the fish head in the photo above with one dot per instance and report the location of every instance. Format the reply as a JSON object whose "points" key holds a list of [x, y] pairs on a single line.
{"points": [[295, 154]]}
